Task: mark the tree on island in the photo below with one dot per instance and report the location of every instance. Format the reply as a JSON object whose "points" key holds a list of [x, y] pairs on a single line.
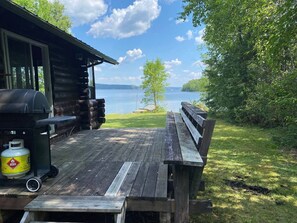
{"points": [[154, 82], [50, 11], [199, 85]]}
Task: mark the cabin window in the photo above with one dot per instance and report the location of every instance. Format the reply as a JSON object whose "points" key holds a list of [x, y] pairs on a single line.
{"points": [[20, 64], [91, 74], [26, 64]]}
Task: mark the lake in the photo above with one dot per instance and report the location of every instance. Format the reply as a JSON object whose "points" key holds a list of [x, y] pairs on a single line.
{"points": [[123, 101]]}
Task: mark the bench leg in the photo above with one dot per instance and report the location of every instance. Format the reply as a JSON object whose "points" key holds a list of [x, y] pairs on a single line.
{"points": [[33, 216], [165, 217], [120, 218], [181, 194], [195, 176]]}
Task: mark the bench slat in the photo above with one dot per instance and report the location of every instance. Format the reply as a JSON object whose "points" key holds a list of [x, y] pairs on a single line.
{"points": [[190, 155], [197, 111], [172, 149], [196, 116], [195, 133], [207, 134]]}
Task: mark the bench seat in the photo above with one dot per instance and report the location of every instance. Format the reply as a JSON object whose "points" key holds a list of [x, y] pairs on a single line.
{"points": [[185, 151]]}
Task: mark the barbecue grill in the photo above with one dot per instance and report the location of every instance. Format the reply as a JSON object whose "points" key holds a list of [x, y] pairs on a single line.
{"points": [[24, 117]]}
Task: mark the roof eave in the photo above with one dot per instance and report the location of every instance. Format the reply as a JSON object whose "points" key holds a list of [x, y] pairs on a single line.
{"points": [[55, 30]]}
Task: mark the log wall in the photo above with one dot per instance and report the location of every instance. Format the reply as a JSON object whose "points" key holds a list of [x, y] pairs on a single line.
{"points": [[92, 113], [65, 83], [68, 69]]}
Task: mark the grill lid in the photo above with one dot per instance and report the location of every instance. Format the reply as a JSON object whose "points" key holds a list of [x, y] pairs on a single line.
{"points": [[23, 101]]}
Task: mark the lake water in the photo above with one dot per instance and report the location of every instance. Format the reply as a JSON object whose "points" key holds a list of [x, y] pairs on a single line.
{"points": [[123, 101]]}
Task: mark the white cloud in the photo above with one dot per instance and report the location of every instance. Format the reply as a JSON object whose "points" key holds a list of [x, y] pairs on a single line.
{"points": [[199, 39], [127, 22], [199, 63], [84, 12], [180, 38], [119, 79], [170, 64], [121, 59], [179, 21], [195, 75], [135, 53], [131, 55], [97, 69], [189, 34]]}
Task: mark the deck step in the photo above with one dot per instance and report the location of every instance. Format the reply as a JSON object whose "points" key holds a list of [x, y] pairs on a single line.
{"points": [[83, 204], [53, 222]]}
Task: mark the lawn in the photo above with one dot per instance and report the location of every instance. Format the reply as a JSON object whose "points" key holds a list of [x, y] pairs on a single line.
{"points": [[247, 177], [136, 120]]}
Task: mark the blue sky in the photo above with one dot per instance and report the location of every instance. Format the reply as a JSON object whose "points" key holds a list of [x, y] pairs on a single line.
{"points": [[133, 32]]}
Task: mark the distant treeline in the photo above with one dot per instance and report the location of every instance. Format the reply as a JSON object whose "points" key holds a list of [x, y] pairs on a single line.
{"points": [[196, 85], [115, 86]]}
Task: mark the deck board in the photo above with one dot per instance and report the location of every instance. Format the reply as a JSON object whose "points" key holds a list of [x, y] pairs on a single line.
{"points": [[161, 185], [89, 161], [151, 180], [138, 185], [126, 187]]}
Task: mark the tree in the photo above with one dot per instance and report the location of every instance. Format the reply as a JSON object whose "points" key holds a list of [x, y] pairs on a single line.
{"points": [[199, 85], [252, 59], [50, 11], [250, 43], [154, 82]]}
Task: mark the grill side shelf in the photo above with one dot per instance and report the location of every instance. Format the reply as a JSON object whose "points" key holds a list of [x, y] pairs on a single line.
{"points": [[55, 120]]}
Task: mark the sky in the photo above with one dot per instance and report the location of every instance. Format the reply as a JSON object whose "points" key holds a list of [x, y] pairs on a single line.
{"points": [[133, 32]]}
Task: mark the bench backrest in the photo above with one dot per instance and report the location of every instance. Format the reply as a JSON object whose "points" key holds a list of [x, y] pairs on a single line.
{"points": [[201, 129]]}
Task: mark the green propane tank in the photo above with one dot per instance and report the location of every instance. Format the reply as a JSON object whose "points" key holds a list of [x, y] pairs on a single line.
{"points": [[15, 161]]}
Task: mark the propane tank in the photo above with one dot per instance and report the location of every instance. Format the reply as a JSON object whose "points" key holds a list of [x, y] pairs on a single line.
{"points": [[15, 161]]}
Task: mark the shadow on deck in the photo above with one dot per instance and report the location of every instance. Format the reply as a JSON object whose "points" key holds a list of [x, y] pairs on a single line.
{"points": [[103, 163]]}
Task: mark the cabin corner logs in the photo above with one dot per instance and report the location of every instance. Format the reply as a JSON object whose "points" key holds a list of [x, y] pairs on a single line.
{"points": [[92, 113], [71, 94]]}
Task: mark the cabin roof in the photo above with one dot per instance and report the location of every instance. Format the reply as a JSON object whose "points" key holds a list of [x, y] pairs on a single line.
{"points": [[27, 15]]}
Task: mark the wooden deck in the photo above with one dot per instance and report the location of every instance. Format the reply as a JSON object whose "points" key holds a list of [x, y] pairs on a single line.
{"points": [[106, 162]]}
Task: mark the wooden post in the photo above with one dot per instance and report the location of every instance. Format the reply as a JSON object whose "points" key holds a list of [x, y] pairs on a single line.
{"points": [[1, 218], [181, 194], [32, 216], [120, 218], [165, 217], [195, 176]]}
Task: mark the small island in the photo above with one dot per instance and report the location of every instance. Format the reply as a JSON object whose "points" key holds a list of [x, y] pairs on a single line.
{"points": [[198, 85]]}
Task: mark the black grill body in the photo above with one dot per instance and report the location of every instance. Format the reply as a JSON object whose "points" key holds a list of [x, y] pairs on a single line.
{"points": [[24, 115]]}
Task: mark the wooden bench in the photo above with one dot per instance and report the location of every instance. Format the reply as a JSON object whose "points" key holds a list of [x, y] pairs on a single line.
{"points": [[188, 137]]}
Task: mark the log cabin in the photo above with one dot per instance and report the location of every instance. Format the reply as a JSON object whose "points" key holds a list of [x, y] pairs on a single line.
{"points": [[37, 55]]}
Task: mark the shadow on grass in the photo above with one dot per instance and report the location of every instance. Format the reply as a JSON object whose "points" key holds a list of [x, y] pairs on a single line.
{"points": [[247, 155]]}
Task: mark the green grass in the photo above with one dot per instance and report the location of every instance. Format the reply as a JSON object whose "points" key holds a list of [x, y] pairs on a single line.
{"points": [[243, 154], [247, 154], [136, 120]]}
